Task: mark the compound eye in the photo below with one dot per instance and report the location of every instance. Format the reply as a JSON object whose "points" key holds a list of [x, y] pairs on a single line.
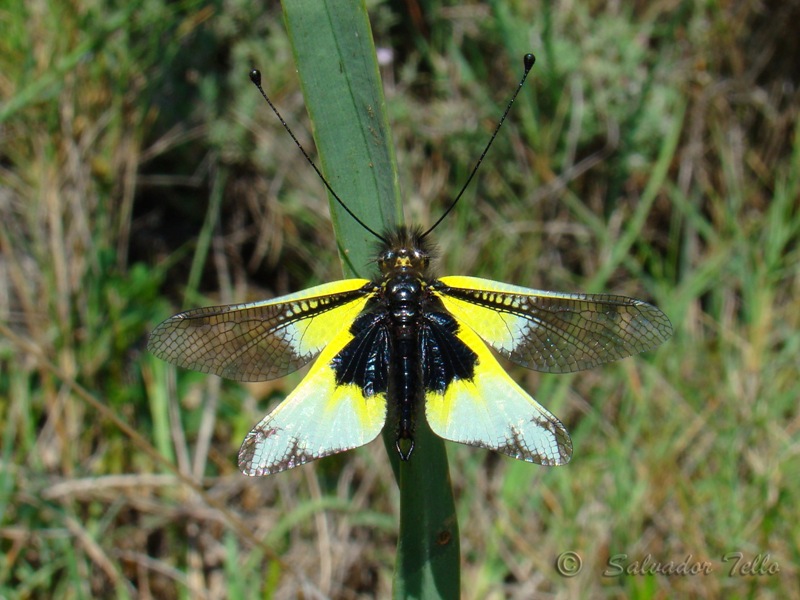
{"points": [[421, 258], [385, 259]]}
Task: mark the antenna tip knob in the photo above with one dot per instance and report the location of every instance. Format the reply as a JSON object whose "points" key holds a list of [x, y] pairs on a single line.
{"points": [[255, 76], [529, 59]]}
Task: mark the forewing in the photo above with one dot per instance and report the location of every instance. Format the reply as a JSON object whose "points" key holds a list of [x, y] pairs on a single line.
{"points": [[491, 411], [550, 331], [260, 340], [322, 416]]}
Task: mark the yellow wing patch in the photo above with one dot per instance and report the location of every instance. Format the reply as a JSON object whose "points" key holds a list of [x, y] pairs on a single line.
{"points": [[259, 340], [319, 418], [492, 411], [550, 331]]}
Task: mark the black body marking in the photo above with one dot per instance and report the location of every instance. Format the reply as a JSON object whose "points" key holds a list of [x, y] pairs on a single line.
{"points": [[363, 361], [404, 341], [444, 357]]}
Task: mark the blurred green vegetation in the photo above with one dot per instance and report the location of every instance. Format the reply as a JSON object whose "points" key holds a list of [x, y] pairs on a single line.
{"points": [[655, 152]]}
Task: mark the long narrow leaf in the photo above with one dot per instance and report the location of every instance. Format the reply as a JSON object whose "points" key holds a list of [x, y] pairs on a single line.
{"points": [[335, 57]]}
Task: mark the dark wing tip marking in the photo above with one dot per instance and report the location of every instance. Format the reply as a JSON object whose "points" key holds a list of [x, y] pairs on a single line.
{"points": [[557, 453], [293, 455], [535, 447]]}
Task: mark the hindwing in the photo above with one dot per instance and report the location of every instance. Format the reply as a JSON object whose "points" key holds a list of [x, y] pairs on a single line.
{"points": [[469, 398], [327, 413]]}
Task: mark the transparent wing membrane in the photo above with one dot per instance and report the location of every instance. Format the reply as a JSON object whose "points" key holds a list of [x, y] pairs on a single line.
{"points": [[554, 332], [259, 340]]}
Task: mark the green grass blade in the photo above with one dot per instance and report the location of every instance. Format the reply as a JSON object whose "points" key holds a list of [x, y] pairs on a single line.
{"points": [[428, 547], [341, 85], [335, 57]]}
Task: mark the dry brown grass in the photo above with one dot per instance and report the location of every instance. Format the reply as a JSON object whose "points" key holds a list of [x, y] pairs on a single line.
{"points": [[118, 479]]}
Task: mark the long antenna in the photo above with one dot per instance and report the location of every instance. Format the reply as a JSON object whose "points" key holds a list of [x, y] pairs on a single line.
{"points": [[528, 60], [255, 77]]}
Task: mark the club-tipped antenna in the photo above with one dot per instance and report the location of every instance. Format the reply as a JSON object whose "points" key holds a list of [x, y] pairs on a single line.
{"points": [[255, 77], [528, 60]]}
